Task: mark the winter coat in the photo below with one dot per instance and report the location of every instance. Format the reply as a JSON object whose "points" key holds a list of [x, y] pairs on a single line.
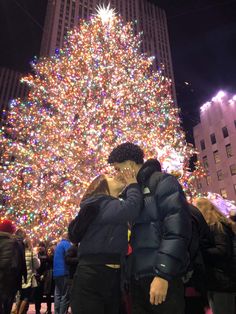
{"points": [[59, 265], [201, 240], [72, 259], [32, 264], [12, 264], [106, 239], [218, 260], [161, 235], [48, 277]]}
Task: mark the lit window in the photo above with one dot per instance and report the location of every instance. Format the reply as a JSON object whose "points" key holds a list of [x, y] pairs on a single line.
{"points": [[223, 193], [208, 180], [229, 150], [202, 144], [233, 169], [216, 156], [225, 132], [213, 138], [205, 162], [220, 175]]}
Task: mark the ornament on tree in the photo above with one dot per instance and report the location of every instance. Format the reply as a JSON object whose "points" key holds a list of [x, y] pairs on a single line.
{"points": [[95, 93]]}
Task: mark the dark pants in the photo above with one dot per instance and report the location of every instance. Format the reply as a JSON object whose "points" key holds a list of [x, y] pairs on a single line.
{"points": [[62, 295], [222, 303], [96, 290], [174, 303], [195, 305], [38, 296], [6, 304]]}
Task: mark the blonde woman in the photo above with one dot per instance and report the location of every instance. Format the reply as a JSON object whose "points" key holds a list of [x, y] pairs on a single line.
{"points": [[221, 288]]}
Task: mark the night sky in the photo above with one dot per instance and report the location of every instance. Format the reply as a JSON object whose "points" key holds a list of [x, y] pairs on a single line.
{"points": [[202, 37]]}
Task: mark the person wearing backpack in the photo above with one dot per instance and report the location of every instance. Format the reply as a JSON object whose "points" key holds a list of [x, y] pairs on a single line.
{"points": [[101, 228], [12, 266], [220, 279], [160, 236]]}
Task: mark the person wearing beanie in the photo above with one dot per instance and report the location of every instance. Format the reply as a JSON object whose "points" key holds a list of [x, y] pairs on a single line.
{"points": [[7, 226], [11, 265], [160, 236]]}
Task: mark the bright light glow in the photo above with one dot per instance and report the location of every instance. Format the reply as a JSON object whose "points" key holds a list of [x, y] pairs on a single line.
{"points": [[234, 98], [170, 159], [219, 96], [205, 106], [105, 13], [225, 206]]}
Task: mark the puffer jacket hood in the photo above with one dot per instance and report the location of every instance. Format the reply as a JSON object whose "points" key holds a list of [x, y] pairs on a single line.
{"points": [[94, 201], [148, 168]]}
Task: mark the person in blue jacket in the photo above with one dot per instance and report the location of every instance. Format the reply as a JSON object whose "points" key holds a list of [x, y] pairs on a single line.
{"points": [[61, 277], [101, 227], [160, 236]]}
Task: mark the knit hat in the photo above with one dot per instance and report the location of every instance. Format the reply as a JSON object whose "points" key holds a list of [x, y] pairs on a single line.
{"points": [[7, 226]]}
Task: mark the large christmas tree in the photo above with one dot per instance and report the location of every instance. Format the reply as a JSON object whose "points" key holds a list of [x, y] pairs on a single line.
{"points": [[95, 93]]}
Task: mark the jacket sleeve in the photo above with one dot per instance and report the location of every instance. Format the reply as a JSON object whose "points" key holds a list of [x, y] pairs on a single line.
{"points": [[176, 225], [122, 211], [222, 249], [71, 257], [36, 262]]}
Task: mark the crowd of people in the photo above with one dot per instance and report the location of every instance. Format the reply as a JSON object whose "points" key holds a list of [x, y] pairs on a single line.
{"points": [[136, 246]]}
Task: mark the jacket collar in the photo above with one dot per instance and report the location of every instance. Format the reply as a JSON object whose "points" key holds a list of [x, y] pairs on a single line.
{"points": [[148, 168]]}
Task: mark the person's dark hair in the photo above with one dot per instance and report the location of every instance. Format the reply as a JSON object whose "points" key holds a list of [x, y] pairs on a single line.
{"points": [[20, 233], [98, 186], [126, 151]]}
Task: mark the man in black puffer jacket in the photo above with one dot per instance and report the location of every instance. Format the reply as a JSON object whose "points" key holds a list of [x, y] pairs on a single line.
{"points": [[160, 235]]}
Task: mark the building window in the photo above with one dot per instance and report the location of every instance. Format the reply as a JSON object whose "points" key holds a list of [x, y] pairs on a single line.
{"points": [[233, 169], [213, 138], [235, 123], [223, 193], [216, 156], [229, 150], [205, 162], [202, 144], [220, 175], [235, 188], [208, 180], [225, 132]]}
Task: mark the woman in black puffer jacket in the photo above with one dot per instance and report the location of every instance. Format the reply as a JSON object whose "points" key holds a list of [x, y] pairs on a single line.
{"points": [[218, 259], [101, 227]]}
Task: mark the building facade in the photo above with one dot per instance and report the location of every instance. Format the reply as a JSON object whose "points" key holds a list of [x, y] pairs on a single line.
{"points": [[215, 139], [10, 88], [63, 15]]}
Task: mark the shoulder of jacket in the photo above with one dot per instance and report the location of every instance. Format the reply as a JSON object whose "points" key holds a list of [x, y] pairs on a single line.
{"points": [[155, 179]]}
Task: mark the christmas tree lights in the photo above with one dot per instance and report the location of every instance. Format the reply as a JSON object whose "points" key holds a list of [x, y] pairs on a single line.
{"points": [[95, 93]]}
